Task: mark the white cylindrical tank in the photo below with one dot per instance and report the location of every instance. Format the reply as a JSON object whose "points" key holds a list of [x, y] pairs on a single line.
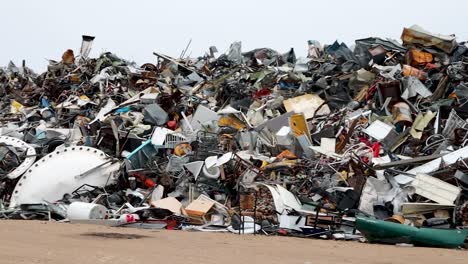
{"points": [[86, 211]]}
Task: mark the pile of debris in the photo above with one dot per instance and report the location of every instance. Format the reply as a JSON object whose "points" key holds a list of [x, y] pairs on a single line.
{"points": [[347, 142]]}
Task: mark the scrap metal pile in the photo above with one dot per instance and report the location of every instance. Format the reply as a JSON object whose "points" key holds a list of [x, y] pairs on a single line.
{"points": [[369, 140]]}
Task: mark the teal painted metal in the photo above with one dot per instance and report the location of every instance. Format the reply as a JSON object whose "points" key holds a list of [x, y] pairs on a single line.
{"points": [[378, 231]]}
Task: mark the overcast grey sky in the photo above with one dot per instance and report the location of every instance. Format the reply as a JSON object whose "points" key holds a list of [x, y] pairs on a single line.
{"points": [[37, 30]]}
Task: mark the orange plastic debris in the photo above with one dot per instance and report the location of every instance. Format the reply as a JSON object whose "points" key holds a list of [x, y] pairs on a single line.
{"points": [[411, 71], [416, 57], [286, 154]]}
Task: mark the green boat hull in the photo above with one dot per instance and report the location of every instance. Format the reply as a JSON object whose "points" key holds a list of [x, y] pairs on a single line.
{"points": [[378, 231]]}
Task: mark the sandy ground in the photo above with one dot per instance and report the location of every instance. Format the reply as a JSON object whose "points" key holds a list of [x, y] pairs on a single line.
{"points": [[42, 242]]}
